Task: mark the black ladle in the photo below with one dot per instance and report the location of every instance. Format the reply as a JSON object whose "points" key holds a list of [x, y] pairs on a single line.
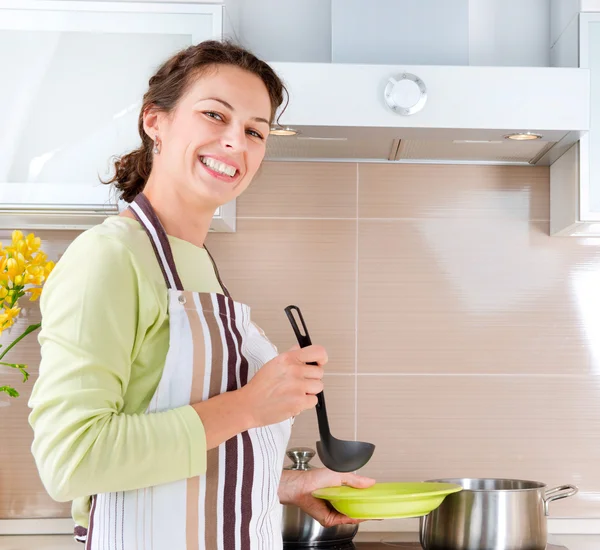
{"points": [[335, 454]]}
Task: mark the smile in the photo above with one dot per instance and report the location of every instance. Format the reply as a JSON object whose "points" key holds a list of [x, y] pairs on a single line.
{"points": [[219, 167]]}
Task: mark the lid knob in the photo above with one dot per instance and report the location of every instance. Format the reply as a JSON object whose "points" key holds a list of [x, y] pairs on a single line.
{"points": [[300, 456]]}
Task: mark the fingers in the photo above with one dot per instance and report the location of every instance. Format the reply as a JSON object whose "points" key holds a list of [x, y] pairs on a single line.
{"points": [[309, 402], [356, 481], [313, 387], [326, 515], [340, 519], [331, 518], [311, 354], [312, 372]]}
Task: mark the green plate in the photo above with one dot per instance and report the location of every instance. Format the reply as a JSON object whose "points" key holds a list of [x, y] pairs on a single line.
{"points": [[388, 500]]}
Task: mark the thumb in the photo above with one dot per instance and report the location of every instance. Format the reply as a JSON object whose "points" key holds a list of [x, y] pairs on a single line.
{"points": [[356, 481], [295, 347]]}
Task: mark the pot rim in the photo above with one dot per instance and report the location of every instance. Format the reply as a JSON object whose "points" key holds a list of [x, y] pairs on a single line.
{"points": [[536, 485]]}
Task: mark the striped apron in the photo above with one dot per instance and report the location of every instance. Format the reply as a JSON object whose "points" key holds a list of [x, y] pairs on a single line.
{"points": [[214, 348]]}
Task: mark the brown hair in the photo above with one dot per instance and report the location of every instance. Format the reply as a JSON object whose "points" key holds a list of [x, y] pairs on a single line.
{"points": [[166, 88]]}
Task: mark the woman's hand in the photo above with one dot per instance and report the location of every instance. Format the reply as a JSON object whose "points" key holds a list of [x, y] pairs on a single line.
{"points": [[296, 487], [281, 389], [285, 386]]}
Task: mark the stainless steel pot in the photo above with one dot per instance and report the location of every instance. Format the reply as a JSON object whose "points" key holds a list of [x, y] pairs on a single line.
{"points": [[492, 514], [302, 530]]}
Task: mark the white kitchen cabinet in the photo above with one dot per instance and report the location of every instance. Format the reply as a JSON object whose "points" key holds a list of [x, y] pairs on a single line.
{"points": [[73, 76], [563, 12], [575, 178], [589, 58]]}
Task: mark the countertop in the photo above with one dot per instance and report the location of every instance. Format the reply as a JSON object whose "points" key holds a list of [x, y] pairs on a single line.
{"points": [[66, 542]]}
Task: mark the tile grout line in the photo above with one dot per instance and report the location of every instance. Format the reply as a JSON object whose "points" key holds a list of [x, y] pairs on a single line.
{"points": [[461, 375], [469, 375], [305, 218], [403, 219], [356, 314]]}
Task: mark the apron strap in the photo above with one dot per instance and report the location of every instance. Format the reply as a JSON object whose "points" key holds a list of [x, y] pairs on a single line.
{"points": [[225, 291], [143, 211]]}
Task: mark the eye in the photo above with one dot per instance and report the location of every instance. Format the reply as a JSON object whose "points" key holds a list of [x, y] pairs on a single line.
{"points": [[254, 133], [212, 114]]}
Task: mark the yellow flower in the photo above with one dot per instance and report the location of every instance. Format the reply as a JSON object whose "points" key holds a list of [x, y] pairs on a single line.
{"points": [[35, 292], [39, 259], [26, 246], [17, 245], [22, 263], [15, 266], [34, 275], [17, 236], [33, 243], [7, 319], [3, 273]]}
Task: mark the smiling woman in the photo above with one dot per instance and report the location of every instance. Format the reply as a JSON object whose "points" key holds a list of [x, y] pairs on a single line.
{"points": [[161, 410], [198, 130]]}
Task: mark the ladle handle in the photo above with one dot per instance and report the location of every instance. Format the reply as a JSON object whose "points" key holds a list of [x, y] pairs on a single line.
{"points": [[304, 341]]}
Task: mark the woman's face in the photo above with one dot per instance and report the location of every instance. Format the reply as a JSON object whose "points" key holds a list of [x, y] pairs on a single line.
{"points": [[213, 142]]}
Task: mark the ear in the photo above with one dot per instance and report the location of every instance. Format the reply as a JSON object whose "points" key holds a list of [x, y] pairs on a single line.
{"points": [[152, 122]]}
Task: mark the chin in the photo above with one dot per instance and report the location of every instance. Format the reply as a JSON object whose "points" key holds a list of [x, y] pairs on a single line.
{"points": [[206, 193]]}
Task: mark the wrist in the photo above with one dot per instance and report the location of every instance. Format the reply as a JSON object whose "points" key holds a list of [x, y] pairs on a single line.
{"points": [[224, 416], [245, 409], [283, 491]]}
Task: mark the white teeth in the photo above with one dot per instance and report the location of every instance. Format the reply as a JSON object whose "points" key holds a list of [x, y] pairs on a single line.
{"points": [[219, 166]]}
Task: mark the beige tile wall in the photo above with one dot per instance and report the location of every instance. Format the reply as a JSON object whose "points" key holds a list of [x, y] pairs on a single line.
{"points": [[463, 340]]}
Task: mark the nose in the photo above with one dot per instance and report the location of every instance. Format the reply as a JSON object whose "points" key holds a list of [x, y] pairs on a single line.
{"points": [[234, 137]]}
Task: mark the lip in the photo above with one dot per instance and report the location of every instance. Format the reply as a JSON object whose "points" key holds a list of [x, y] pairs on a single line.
{"points": [[221, 177], [223, 159]]}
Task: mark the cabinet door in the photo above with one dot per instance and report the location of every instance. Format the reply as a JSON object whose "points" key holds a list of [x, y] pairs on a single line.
{"points": [[589, 58], [73, 77]]}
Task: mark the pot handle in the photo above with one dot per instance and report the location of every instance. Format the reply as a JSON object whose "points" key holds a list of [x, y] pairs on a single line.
{"points": [[556, 493]]}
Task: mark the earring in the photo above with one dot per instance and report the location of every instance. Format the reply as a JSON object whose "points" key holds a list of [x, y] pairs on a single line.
{"points": [[156, 149]]}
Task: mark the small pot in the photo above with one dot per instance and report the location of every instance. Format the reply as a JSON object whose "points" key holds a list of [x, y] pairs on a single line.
{"points": [[492, 513], [300, 529]]}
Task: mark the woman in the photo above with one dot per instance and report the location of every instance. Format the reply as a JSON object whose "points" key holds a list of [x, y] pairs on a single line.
{"points": [[161, 410]]}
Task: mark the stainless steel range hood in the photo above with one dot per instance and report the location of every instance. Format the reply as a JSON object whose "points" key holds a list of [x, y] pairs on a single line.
{"points": [[443, 114]]}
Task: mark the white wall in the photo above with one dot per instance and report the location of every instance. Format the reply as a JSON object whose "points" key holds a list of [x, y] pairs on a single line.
{"points": [[509, 33], [166, 1], [416, 32], [440, 32], [286, 30], [477, 32], [565, 51], [562, 13], [590, 5]]}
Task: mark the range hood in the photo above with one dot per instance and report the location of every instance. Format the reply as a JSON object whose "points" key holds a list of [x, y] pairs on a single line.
{"points": [[442, 114]]}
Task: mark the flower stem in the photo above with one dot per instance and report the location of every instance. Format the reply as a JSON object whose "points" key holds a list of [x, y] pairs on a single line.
{"points": [[27, 331]]}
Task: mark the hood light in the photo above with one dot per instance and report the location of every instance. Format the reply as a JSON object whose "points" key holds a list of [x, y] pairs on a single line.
{"points": [[525, 136], [281, 131]]}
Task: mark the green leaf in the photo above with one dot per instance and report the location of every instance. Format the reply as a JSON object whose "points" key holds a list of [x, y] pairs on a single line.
{"points": [[21, 367], [10, 391], [24, 372]]}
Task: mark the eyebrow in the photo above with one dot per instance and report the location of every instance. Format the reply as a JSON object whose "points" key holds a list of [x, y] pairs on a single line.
{"points": [[230, 107]]}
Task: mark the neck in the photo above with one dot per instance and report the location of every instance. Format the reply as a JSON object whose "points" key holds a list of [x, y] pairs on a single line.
{"points": [[180, 218]]}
